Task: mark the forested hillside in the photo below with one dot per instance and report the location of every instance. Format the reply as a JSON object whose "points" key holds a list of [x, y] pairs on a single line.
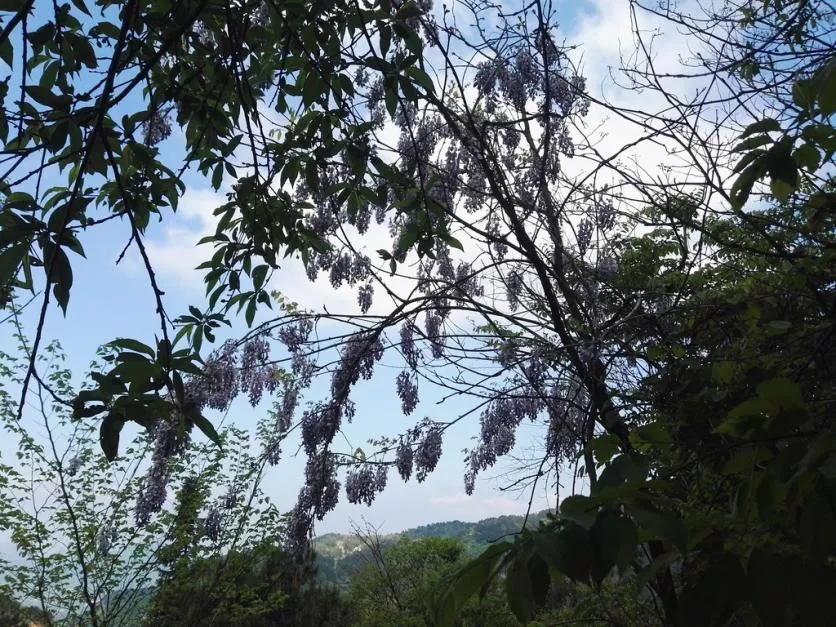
{"points": [[339, 556]]}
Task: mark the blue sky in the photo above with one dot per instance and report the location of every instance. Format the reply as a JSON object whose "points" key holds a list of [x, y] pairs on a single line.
{"points": [[110, 301]]}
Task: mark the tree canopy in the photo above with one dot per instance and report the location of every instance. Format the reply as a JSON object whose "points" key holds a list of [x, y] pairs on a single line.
{"points": [[668, 328]]}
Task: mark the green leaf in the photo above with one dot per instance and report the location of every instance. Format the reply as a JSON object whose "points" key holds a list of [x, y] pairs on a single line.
{"points": [[627, 468], [569, 551], [722, 372], [518, 587], [44, 96], [12, 6], [603, 447], [579, 509], [769, 581], [752, 142], [61, 278], [614, 538], [538, 574], [715, 595], [10, 260], [659, 524], [109, 432], [258, 275], [468, 581], [132, 345], [206, 427], [783, 392], [780, 189], [767, 125], [7, 52], [807, 156]]}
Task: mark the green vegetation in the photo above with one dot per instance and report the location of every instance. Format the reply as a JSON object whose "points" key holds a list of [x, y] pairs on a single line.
{"points": [[340, 556], [646, 283]]}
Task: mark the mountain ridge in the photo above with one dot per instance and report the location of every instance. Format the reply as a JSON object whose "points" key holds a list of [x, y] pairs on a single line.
{"points": [[338, 555]]}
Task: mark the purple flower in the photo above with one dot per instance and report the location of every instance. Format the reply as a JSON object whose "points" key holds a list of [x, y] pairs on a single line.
{"points": [[152, 493], [357, 359], [407, 392], [428, 453], [303, 369], [607, 268], [230, 499], [513, 287], [273, 453], [319, 425], [605, 216], [105, 538], [72, 466], [469, 482], [584, 236], [403, 460], [364, 297], [434, 334], [506, 354], [212, 525], [321, 491], [157, 127], [218, 385], [361, 485], [294, 335], [410, 352], [284, 413], [256, 374], [467, 283]]}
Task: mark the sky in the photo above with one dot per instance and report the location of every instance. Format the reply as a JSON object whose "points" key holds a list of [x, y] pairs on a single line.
{"points": [[110, 301]]}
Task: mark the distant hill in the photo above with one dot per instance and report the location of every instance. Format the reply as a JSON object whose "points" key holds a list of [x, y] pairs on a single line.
{"points": [[338, 555]]}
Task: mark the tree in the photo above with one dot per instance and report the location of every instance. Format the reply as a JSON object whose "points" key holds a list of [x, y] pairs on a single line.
{"points": [[399, 582], [14, 614], [85, 549], [526, 287], [259, 586]]}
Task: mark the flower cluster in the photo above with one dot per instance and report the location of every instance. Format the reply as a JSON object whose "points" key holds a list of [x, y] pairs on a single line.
{"points": [[411, 353], [407, 392], [567, 410], [294, 336], [427, 453], [364, 297], [321, 490], [212, 525], [357, 359], [168, 442], [319, 425], [364, 483], [72, 466], [256, 374], [584, 235], [157, 127], [105, 539], [605, 216], [434, 334], [513, 287], [403, 460], [218, 385], [607, 267], [230, 499]]}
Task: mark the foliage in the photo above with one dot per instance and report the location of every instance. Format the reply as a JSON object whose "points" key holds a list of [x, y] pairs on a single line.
{"points": [[259, 586], [339, 556], [84, 551], [14, 614], [719, 496], [398, 584], [668, 332]]}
